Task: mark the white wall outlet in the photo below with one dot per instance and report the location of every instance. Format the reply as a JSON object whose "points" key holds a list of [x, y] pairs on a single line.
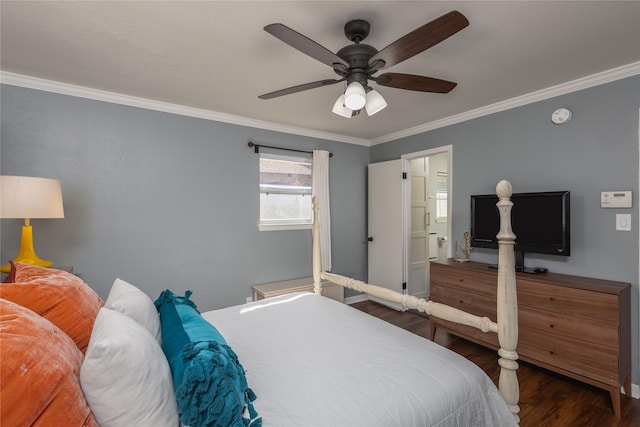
{"points": [[249, 299], [623, 222]]}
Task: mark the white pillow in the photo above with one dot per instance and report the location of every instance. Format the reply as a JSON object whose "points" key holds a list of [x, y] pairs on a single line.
{"points": [[125, 376], [128, 299]]}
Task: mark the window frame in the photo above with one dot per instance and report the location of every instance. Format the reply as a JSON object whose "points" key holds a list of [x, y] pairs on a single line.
{"points": [[442, 197], [285, 224]]}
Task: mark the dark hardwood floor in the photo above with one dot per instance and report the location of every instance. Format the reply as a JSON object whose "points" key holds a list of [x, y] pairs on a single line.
{"points": [[546, 399]]}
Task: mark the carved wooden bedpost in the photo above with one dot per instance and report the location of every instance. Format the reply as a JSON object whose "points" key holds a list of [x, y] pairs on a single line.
{"points": [[316, 254], [507, 302]]}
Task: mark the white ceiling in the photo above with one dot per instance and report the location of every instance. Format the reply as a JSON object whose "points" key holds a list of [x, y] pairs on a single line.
{"points": [[215, 55]]}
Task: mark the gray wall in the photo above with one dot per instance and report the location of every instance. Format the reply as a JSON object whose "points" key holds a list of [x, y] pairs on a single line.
{"points": [[167, 201], [596, 151]]}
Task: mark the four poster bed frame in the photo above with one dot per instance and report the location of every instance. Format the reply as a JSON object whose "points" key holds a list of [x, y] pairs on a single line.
{"points": [[506, 325]]}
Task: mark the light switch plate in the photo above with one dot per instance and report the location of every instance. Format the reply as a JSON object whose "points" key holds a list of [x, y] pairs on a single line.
{"points": [[623, 222]]}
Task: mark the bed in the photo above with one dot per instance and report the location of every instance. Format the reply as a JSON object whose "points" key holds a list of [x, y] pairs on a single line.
{"points": [[396, 384], [300, 359]]}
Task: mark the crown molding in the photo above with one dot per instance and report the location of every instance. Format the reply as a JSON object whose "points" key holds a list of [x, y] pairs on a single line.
{"points": [[553, 91], [132, 101], [30, 82]]}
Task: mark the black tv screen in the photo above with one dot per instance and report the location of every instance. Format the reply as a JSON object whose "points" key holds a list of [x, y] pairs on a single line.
{"points": [[540, 222]]}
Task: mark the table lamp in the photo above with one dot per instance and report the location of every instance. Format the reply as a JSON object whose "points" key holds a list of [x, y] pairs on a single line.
{"points": [[27, 198]]}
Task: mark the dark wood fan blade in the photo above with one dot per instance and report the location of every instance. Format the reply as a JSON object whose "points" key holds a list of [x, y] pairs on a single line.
{"points": [[420, 39], [299, 88], [304, 44], [419, 83]]}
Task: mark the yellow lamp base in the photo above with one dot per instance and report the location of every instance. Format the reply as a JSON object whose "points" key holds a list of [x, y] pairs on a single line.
{"points": [[27, 253]]}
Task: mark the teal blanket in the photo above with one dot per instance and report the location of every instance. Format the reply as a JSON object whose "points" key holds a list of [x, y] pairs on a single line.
{"points": [[209, 381]]}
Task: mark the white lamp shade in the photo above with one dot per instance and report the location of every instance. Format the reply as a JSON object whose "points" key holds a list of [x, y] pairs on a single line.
{"points": [[375, 102], [340, 109], [355, 96], [28, 197]]}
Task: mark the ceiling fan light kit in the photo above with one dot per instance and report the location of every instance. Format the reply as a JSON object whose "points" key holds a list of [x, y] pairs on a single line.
{"points": [[355, 96], [340, 109], [357, 63], [375, 102]]}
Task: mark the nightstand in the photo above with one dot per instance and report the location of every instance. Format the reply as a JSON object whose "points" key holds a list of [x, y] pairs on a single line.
{"points": [[270, 290]]}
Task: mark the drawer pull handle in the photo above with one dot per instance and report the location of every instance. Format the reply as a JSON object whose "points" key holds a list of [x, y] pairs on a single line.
{"points": [[551, 325], [461, 280], [551, 352], [461, 302], [551, 299]]}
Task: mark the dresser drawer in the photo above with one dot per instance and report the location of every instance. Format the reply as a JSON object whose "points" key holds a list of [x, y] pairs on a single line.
{"points": [[568, 301], [487, 339], [465, 280], [479, 305], [555, 325], [571, 354]]}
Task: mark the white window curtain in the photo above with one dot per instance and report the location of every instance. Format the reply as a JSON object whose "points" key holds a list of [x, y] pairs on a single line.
{"points": [[320, 180]]}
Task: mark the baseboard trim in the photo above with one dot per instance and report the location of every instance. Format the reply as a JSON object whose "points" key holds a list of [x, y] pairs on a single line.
{"points": [[635, 391], [356, 298]]}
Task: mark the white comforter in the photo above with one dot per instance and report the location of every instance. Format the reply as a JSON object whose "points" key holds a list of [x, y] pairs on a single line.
{"points": [[315, 362]]}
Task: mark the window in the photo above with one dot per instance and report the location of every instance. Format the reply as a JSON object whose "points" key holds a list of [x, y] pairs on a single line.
{"points": [[442, 189], [285, 192]]}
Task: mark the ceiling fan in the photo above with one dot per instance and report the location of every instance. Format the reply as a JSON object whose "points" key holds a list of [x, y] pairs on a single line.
{"points": [[357, 63]]}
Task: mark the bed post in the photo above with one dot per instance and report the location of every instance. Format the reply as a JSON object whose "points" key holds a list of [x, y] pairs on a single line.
{"points": [[316, 255], [507, 302]]}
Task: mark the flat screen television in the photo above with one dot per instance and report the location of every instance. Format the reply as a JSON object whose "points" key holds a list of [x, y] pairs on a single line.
{"points": [[540, 221]]}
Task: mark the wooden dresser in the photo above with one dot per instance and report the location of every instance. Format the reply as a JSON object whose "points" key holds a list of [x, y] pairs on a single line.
{"points": [[575, 326]]}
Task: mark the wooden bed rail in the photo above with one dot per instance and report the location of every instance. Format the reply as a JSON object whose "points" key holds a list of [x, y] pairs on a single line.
{"points": [[506, 325], [409, 301]]}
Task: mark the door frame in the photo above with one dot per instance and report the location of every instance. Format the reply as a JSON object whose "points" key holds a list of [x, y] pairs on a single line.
{"points": [[448, 149]]}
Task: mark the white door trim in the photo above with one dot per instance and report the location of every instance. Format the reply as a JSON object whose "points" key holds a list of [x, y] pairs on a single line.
{"points": [[635, 387], [430, 152]]}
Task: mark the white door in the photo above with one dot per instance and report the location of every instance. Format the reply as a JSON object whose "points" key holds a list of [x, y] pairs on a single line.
{"points": [[419, 248], [436, 188], [387, 226]]}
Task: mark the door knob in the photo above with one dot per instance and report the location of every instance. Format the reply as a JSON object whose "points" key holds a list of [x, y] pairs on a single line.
{"points": [[370, 239]]}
